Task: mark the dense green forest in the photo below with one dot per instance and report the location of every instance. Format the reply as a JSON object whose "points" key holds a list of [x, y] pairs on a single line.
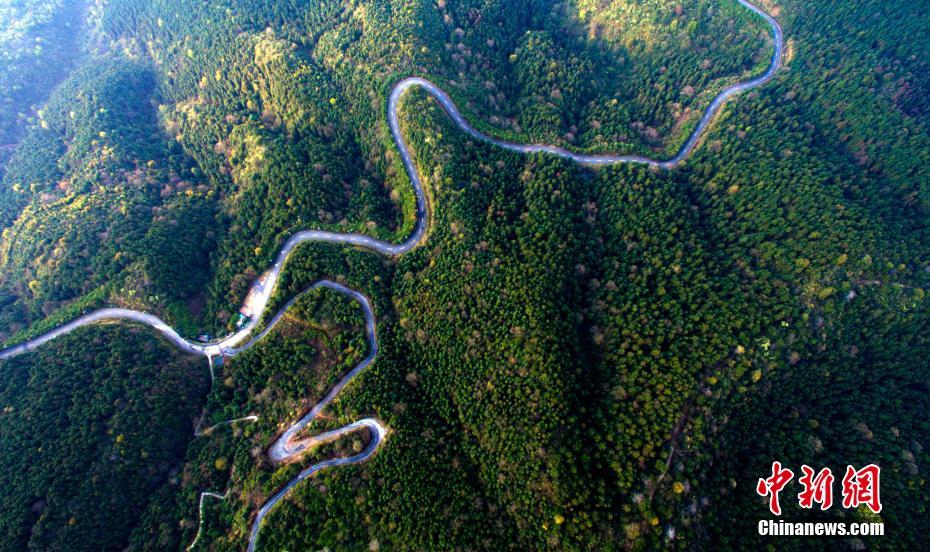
{"points": [[574, 359], [90, 427], [38, 46]]}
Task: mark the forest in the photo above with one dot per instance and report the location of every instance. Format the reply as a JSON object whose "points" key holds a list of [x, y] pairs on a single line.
{"points": [[38, 46], [90, 427], [575, 358]]}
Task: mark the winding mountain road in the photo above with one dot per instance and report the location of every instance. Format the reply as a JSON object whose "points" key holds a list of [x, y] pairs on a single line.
{"points": [[289, 446]]}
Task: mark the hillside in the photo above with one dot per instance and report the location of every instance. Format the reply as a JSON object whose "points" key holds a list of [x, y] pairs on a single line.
{"points": [[573, 358]]}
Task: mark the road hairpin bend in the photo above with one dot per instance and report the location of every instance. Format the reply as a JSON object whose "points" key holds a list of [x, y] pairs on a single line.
{"points": [[290, 447]]}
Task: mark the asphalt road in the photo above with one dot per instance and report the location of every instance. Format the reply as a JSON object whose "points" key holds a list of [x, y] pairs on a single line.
{"points": [[289, 446]]}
